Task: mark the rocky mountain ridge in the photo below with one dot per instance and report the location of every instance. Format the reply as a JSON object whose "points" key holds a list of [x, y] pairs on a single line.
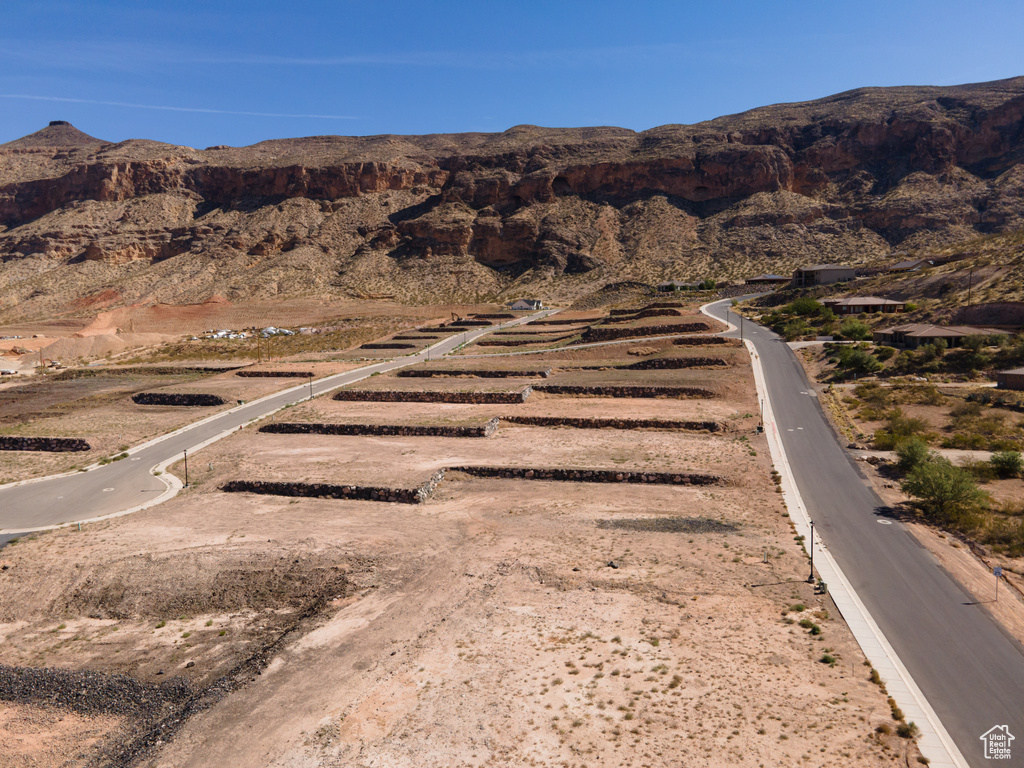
{"points": [[90, 224]]}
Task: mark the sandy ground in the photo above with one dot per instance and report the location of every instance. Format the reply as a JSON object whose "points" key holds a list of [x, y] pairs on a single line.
{"points": [[38, 736], [501, 623], [100, 410]]}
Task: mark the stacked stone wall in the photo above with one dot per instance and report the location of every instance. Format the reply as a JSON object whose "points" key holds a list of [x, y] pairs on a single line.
{"points": [[700, 341], [415, 338], [427, 373], [380, 430], [49, 444], [644, 313], [624, 391], [148, 370], [503, 316], [387, 345], [275, 374], [176, 398], [591, 475], [563, 321], [331, 491], [470, 324], [581, 423], [611, 334], [472, 398], [674, 363], [522, 342]]}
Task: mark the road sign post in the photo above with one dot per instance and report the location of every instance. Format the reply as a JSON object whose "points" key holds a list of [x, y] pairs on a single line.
{"points": [[810, 578]]}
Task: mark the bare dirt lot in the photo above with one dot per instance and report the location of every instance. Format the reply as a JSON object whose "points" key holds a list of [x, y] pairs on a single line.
{"points": [[501, 622]]}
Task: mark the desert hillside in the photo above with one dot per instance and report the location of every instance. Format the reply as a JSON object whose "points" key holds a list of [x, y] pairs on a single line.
{"points": [[87, 225]]}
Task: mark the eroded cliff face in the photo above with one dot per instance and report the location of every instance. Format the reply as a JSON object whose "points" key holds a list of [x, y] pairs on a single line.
{"points": [[852, 178]]}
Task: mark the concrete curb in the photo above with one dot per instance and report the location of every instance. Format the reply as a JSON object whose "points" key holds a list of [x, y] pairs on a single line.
{"points": [[934, 741]]}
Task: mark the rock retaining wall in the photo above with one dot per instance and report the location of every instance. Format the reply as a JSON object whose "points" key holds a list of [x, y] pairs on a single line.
{"points": [[502, 316], [49, 444], [472, 398], [610, 334], [415, 338], [580, 423], [275, 374], [673, 363], [624, 391], [387, 345], [176, 398], [700, 341], [330, 491], [644, 313], [380, 430], [522, 342], [470, 324], [560, 322], [426, 373], [147, 370], [591, 475]]}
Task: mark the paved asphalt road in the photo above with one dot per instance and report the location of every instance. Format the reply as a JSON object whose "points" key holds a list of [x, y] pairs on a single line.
{"points": [[970, 670], [128, 483]]}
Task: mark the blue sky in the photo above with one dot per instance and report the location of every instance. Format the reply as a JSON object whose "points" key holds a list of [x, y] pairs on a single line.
{"points": [[203, 73]]}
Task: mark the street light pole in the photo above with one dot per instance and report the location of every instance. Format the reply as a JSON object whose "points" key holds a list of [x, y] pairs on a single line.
{"points": [[185, 454], [810, 579]]}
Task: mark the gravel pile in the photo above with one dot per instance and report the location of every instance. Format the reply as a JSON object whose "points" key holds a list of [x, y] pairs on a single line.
{"points": [[90, 693]]}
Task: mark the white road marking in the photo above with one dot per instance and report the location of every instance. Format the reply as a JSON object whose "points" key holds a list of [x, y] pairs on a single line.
{"points": [[885, 522], [107, 490]]}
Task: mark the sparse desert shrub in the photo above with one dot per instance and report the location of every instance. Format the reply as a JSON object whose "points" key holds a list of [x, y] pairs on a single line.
{"points": [[948, 495], [907, 730], [1007, 463], [884, 353], [911, 452], [899, 427]]}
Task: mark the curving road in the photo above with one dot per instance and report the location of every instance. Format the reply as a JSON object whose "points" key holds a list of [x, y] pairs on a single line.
{"points": [[970, 670], [130, 484]]}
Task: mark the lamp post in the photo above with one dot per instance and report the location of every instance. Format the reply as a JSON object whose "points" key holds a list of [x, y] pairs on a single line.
{"points": [[185, 454], [810, 578]]}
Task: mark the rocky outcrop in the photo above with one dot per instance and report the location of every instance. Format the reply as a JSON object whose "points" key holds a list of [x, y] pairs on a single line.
{"points": [[49, 444], [381, 430], [856, 176], [472, 398], [176, 398]]}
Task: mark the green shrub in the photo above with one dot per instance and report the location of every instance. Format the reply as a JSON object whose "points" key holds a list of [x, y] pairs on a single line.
{"points": [[899, 427], [948, 495], [884, 353], [856, 330], [1006, 536], [1007, 463], [911, 452], [907, 730], [805, 305]]}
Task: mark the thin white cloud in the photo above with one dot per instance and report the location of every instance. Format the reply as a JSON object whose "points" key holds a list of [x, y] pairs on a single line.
{"points": [[166, 108]]}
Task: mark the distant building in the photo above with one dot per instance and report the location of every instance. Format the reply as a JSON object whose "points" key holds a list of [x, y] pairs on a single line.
{"points": [[854, 305], [669, 286], [910, 266], [768, 280], [822, 274], [1012, 379], [526, 305], [913, 335]]}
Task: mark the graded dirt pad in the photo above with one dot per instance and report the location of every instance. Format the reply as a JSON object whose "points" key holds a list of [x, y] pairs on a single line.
{"points": [[45, 737], [501, 622], [99, 409]]}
